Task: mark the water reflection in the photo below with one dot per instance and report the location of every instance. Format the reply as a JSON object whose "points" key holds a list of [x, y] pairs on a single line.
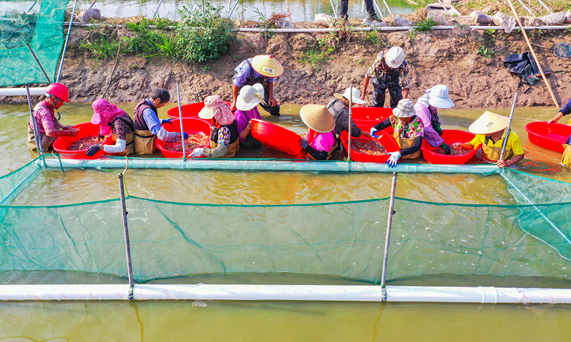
{"points": [[301, 10]]}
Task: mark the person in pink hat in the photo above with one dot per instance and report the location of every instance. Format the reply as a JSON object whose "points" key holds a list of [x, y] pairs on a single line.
{"points": [[113, 120], [224, 138]]}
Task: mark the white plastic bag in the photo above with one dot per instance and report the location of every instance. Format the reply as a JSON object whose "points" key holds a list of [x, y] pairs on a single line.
{"points": [[505, 21], [481, 18], [568, 15], [283, 23], [323, 19], [554, 18]]}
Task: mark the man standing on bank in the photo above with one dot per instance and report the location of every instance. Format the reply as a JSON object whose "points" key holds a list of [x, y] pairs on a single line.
{"points": [[262, 69], [390, 70], [371, 14]]}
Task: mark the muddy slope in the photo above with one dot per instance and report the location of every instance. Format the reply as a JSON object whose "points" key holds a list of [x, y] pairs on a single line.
{"points": [[437, 57]]}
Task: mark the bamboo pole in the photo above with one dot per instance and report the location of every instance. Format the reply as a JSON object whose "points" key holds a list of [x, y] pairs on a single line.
{"points": [[534, 55]]}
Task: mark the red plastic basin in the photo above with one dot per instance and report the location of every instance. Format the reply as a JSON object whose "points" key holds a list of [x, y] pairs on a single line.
{"points": [[61, 144], [190, 126], [276, 137], [370, 116], [188, 110], [385, 139], [450, 136], [549, 136]]}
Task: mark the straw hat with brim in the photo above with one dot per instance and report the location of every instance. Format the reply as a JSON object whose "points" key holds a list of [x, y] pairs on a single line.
{"points": [[318, 118], [489, 123], [267, 65], [405, 109], [347, 95]]}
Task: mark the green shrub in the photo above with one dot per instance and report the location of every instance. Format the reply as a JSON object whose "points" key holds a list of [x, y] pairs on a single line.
{"points": [[425, 24], [202, 34], [101, 44]]}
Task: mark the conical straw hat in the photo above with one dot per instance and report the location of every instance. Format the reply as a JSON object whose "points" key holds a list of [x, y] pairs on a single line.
{"points": [[318, 118], [267, 65], [489, 123]]}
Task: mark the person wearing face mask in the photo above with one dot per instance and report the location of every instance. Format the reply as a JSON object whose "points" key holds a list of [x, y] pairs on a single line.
{"points": [[408, 131], [113, 120], [148, 125], [427, 110], [49, 127]]}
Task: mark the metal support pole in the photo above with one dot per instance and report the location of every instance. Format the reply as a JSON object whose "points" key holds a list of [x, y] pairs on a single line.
{"points": [[391, 12], [180, 118], [157, 10], [388, 237], [334, 10], [66, 40], [35, 125], [233, 8], [527, 9], [443, 7], [38, 61], [547, 8], [126, 231], [509, 125], [350, 116]]}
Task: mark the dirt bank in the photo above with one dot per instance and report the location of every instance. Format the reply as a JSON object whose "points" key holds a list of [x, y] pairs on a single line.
{"points": [[435, 57]]}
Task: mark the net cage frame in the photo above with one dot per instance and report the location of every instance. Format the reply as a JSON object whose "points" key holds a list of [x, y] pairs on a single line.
{"points": [[23, 177]]}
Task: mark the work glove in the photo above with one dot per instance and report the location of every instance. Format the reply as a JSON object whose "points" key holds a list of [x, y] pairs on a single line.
{"points": [[184, 135], [438, 130], [446, 148], [166, 121], [303, 143], [197, 153], [393, 159], [373, 132], [92, 150]]}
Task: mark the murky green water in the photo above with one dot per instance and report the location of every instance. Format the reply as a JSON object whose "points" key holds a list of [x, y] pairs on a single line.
{"points": [[281, 321], [301, 10]]}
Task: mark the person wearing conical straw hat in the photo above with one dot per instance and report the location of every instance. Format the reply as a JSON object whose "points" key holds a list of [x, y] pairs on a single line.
{"points": [[262, 69], [339, 108], [427, 110], [408, 131], [389, 71], [319, 142], [247, 109], [490, 130], [224, 142]]}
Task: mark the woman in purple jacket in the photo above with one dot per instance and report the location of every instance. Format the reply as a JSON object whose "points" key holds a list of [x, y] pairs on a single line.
{"points": [[246, 104]]}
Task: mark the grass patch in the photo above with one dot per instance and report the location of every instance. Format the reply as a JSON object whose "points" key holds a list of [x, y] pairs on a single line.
{"points": [[373, 38], [426, 24], [315, 58]]}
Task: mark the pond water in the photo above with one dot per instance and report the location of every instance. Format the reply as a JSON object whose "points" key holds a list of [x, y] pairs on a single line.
{"points": [[301, 10], [280, 321]]}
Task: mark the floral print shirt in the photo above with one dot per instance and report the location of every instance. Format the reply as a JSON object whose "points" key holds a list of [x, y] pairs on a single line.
{"points": [[413, 129], [380, 67]]}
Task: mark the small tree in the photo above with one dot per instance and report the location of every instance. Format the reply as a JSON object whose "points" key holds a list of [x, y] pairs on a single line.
{"points": [[202, 34]]}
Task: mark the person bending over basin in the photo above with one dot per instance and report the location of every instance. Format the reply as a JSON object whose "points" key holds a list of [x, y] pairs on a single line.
{"points": [[224, 142], [247, 109], [113, 120], [319, 142], [427, 110], [490, 130], [408, 131], [339, 108], [49, 126], [148, 127]]}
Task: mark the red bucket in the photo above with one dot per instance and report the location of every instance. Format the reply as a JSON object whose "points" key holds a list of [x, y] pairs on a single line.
{"points": [[385, 139], [61, 144], [276, 137], [190, 126], [549, 136], [370, 116], [450, 136]]}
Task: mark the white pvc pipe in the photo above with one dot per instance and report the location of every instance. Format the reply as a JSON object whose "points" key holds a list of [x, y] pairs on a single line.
{"points": [[21, 91], [266, 165], [389, 28], [345, 293]]}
